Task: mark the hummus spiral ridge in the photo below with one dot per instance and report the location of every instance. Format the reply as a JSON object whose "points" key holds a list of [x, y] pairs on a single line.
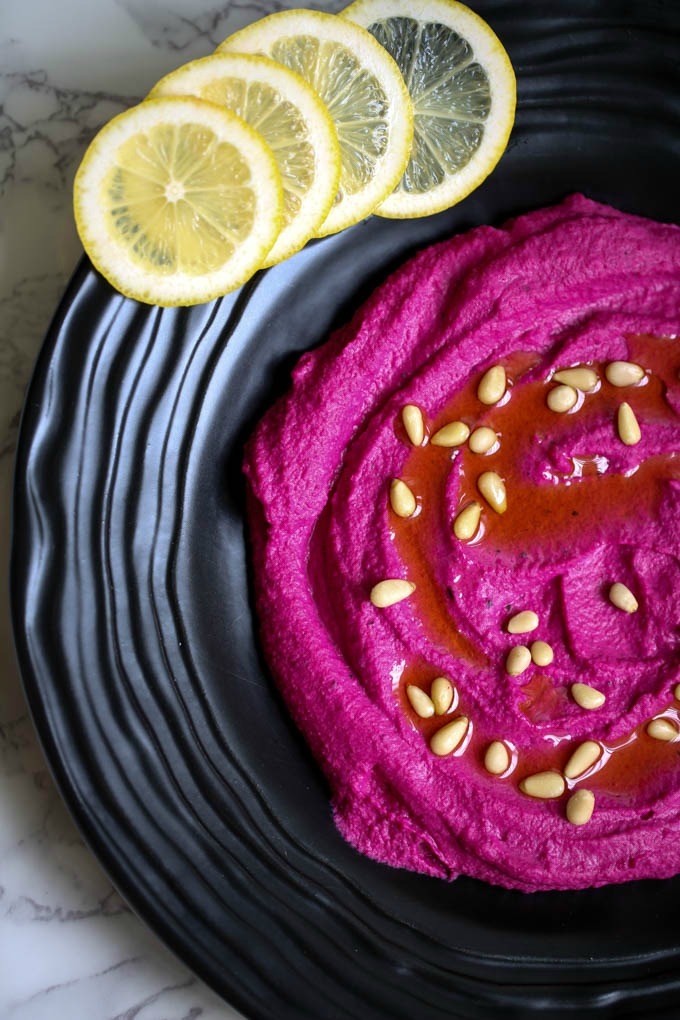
{"points": [[576, 284]]}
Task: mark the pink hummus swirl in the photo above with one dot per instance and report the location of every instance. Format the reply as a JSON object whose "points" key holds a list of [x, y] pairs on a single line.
{"points": [[579, 284]]}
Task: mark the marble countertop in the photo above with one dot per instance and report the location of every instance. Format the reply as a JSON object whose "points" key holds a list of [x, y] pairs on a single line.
{"points": [[69, 945]]}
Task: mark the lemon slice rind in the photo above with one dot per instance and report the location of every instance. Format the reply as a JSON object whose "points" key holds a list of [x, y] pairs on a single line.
{"points": [[489, 52], [204, 75], [262, 36], [94, 215]]}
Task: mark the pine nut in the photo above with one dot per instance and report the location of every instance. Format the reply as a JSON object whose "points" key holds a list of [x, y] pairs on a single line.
{"points": [[441, 694], [561, 399], [676, 692], [492, 385], [482, 439], [496, 759], [449, 737], [587, 697], [543, 785], [402, 500], [519, 659], [412, 417], [585, 755], [581, 378], [492, 488], [389, 592], [420, 702], [662, 729], [467, 521], [624, 373], [623, 598], [541, 653], [522, 623], [580, 807], [627, 425], [453, 434]]}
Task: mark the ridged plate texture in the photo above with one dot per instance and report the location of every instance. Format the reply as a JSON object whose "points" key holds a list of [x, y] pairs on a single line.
{"points": [[132, 602]]}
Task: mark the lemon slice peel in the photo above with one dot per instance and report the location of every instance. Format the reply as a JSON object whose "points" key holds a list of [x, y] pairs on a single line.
{"points": [[201, 235]]}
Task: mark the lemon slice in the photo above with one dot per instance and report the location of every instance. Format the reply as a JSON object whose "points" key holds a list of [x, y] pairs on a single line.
{"points": [[177, 201], [363, 90], [462, 86], [294, 123]]}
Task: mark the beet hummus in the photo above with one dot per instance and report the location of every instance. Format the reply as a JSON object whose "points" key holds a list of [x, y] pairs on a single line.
{"points": [[466, 526]]}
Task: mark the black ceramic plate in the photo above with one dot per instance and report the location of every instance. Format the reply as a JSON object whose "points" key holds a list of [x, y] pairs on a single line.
{"points": [[133, 614]]}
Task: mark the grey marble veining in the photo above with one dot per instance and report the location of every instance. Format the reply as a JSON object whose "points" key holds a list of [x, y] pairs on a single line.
{"points": [[178, 31], [69, 946]]}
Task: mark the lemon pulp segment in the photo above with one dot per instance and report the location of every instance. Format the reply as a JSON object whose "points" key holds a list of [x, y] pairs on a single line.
{"points": [[175, 213], [449, 108], [355, 99]]}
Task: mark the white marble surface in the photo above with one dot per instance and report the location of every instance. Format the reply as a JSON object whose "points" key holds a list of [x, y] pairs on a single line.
{"points": [[69, 946]]}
